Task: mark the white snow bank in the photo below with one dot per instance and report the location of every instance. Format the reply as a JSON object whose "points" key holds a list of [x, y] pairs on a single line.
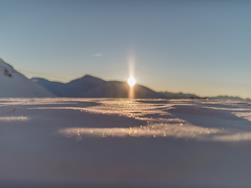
{"points": [[15, 84]]}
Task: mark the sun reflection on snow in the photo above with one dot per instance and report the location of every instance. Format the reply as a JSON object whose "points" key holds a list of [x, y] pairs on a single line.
{"points": [[13, 118], [161, 124], [158, 130], [156, 116], [132, 109]]}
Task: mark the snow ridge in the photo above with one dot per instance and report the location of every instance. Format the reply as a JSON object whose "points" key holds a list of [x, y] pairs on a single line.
{"points": [[15, 84]]}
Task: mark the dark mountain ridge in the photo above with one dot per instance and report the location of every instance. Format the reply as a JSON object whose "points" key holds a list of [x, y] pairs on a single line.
{"points": [[90, 86]]}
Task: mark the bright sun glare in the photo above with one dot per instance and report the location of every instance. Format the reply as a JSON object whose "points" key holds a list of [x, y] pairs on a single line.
{"points": [[131, 81]]}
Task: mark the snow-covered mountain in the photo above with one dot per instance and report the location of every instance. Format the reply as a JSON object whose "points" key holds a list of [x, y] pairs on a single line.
{"points": [[15, 84]]}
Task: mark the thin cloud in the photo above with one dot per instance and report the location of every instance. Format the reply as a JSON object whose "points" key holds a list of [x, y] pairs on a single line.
{"points": [[97, 55]]}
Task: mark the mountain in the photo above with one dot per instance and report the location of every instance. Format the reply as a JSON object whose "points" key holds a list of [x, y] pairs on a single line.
{"points": [[180, 95], [229, 97], [56, 88], [15, 84], [90, 86]]}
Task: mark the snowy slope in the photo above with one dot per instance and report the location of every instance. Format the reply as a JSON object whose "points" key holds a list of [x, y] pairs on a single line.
{"points": [[121, 143], [14, 84]]}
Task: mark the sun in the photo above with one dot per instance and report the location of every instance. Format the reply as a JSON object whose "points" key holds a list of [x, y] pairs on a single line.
{"points": [[131, 81]]}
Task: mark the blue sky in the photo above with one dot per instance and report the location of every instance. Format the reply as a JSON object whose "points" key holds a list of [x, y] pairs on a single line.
{"points": [[199, 46]]}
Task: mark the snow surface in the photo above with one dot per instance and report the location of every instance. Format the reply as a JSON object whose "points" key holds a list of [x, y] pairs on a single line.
{"points": [[124, 143], [14, 84]]}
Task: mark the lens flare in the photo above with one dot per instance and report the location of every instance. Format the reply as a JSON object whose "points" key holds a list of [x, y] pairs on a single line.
{"points": [[131, 81]]}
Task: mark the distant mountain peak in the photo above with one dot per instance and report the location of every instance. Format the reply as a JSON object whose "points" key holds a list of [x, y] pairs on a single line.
{"points": [[86, 79], [90, 77]]}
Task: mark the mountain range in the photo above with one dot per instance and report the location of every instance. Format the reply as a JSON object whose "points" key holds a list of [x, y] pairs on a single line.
{"points": [[15, 84], [90, 86]]}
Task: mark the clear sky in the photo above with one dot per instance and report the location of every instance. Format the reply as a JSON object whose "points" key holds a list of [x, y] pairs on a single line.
{"points": [[201, 46]]}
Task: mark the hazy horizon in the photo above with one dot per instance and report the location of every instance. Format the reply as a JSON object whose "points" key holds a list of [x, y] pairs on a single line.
{"points": [[198, 47]]}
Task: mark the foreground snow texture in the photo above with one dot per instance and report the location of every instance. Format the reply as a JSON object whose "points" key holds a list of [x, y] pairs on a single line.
{"points": [[124, 143]]}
